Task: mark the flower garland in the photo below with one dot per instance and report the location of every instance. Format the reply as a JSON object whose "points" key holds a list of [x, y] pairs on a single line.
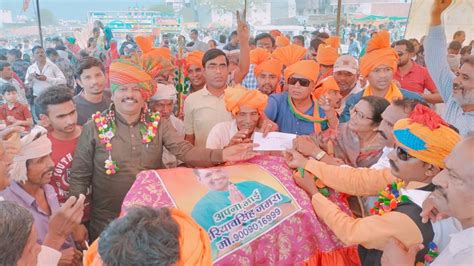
{"points": [[106, 127], [389, 198], [433, 252]]}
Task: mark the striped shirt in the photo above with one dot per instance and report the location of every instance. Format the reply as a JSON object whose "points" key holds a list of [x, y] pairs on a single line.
{"points": [[436, 61]]}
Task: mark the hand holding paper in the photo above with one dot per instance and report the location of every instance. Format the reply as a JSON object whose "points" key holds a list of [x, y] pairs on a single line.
{"points": [[274, 141]]}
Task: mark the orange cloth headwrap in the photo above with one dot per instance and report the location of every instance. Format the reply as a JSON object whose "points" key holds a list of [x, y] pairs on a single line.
{"points": [[282, 41], [239, 96], [378, 53], [145, 43], [326, 85], [194, 243], [258, 55], [290, 54], [194, 58], [426, 136], [275, 33], [271, 65], [328, 51], [306, 68], [128, 72]]}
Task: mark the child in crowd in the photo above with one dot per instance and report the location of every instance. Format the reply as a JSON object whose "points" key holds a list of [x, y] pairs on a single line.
{"points": [[12, 112]]}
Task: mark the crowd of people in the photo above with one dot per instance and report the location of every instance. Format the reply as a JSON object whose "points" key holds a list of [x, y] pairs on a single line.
{"points": [[392, 129]]}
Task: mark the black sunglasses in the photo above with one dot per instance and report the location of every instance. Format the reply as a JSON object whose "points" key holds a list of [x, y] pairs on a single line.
{"points": [[402, 154], [303, 82]]}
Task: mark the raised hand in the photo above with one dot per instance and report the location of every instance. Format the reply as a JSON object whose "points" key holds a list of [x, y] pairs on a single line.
{"points": [[242, 28]]}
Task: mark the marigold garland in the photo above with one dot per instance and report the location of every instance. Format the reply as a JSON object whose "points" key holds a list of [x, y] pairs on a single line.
{"points": [[106, 128]]}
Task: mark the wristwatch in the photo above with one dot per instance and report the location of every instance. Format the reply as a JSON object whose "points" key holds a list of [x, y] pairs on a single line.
{"points": [[320, 155]]}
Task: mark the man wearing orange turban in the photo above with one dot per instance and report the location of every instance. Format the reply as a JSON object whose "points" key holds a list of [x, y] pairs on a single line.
{"points": [[182, 241], [423, 142], [246, 107], [327, 55], [257, 56], [297, 111], [378, 65], [268, 75], [195, 70]]}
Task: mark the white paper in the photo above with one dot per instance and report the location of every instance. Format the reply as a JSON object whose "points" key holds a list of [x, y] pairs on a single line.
{"points": [[274, 141]]}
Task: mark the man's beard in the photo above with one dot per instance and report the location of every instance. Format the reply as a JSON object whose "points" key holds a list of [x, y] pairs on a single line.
{"points": [[466, 97]]}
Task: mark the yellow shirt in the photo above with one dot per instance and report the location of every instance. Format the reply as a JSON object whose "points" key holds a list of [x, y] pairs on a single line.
{"points": [[202, 111]]}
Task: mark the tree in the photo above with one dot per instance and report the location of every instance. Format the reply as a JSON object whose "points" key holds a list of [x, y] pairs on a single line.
{"points": [[47, 17], [163, 9]]}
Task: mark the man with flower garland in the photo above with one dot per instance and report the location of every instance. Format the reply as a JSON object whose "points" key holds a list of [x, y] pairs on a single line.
{"points": [[128, 138], [423, 141]]}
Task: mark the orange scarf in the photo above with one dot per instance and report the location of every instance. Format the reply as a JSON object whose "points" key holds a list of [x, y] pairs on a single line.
{"points": [[392, 94], [315, 118]]}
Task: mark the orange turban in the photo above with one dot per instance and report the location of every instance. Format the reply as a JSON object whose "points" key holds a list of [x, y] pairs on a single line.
{"points": [[378, 53], [326, 85], [282, 41], [194, 243], [258, 55], [426, 136], [128, 72], [328, 51], [145, 43], [306, 68], [194, 58], [290, 54], [239, 96], [271, 65], [275, 33]]}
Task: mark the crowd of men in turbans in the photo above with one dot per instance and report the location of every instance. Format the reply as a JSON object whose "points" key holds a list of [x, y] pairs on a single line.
{"points": [[393, 130]]}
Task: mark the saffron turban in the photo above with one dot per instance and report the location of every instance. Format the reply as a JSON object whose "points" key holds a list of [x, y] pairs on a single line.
{"points": [[31, 148], [145, 43], [426, 136], [290, 54], [282, 41], [271, 65], [194, 243], [326, 85], [258, 55], [328, 51], [194, 58], [239, 96], [275, 33], [378, 53], [306, 68]]}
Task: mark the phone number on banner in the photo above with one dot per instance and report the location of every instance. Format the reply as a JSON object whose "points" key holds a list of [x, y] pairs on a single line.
{"points": [[257, 225]]}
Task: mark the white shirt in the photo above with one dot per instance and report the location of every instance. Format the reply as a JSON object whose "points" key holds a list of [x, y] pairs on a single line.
{"points": [[383, 161], [48, 256], [460, 250], [54, 76], [221, 134]]}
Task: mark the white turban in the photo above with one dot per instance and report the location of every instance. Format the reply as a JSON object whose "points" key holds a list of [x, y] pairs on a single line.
{"points": [[31, 148], [164, 92]]}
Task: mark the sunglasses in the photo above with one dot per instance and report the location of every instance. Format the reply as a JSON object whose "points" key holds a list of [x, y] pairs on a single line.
{"points": [[303, 82], [402, 154]]}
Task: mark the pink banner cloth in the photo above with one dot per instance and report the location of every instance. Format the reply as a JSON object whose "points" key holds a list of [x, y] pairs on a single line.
{"points": [[292, 242]]}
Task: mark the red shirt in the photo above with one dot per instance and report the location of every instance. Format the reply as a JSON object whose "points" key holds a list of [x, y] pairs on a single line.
{"points": [[62, 155], [19, 112], [416, 80]]}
